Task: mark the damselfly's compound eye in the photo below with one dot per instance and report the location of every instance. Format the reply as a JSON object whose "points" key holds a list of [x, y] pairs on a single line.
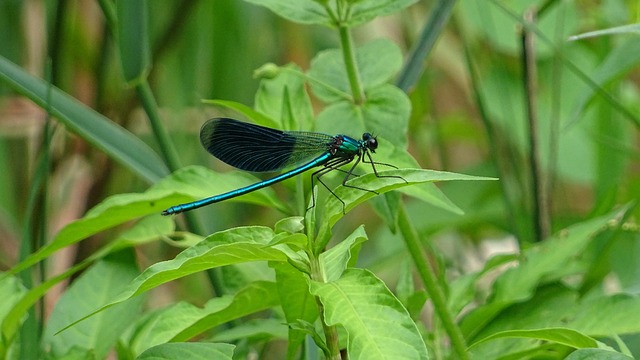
{"points": [[370, 142]]}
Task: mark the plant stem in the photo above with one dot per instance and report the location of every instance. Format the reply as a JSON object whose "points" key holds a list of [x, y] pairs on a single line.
{"points": [[351, 65], [538, 186], [167, 149], [430, 282], [330, 332]]}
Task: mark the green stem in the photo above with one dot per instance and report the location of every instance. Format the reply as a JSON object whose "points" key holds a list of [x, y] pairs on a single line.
{"points": [[430, 282], [330, 332], [170, 156], [351, 65], [167, 149]]}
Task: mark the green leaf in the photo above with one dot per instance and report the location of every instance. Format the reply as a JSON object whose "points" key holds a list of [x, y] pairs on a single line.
{"points": [[633, 29], [113, 211], [385, 112], [296, 301], [133, 40], [622, 59], [190, 350], [196, 182], [377, 61], [564, 336], [285, 98], [421, 49], [146, 230], [96, 286], [183, 321], [256, 116], [364, 10], [411, 299], [335, 260], [362, 304], [293, 224], [115, 141], [300, 11], [595, 315], [233, 246], [353, 197], [13, 294], [254, 330], [596, 354], [544, 262]]}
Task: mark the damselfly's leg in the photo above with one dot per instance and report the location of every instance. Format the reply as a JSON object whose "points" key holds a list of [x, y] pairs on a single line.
{"points": [[328, 167], [350, 172], [373, 166]]}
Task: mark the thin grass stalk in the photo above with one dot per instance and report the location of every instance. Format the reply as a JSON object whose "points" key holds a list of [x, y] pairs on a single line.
{"points": [[538, 182]]}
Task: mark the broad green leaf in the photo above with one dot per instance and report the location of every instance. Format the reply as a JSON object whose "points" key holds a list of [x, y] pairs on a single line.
{"points": [[254, 115], [13, 294], [604, 315], [544, 262], [97, 285], [335, 260], [313, 12], [133, 40], [595, 315], [146, 230], [365, 10], [462, 290], [597, 354], [296, 301], [377, 62], [233, 246], [285, 98], [362, 304], [293, 224], [385, 112], [190, 350], [115, 141], [413, 300], [183, 321], [300, 11], [353, 197], [564, 336]]}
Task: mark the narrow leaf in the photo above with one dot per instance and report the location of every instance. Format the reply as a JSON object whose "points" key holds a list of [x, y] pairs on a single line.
{"points": [[564, 336], [388, 181], [191, 350], [115, 141], [133, 39]]}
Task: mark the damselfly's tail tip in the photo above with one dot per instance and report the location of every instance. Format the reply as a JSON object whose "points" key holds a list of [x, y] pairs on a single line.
{"points": [[167, 212]]}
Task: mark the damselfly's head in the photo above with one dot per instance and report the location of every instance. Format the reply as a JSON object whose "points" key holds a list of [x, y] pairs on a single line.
{"points": [[370, 142]]}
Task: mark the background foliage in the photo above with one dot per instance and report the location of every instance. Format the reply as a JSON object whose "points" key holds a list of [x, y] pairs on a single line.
{"points": [[102, 101]]}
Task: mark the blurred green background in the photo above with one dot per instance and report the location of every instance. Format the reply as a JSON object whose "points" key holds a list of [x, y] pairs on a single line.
{"points": [[468, 115]]}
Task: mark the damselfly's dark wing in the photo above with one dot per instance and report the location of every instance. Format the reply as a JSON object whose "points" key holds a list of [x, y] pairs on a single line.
{"points": [[257, 148]]}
